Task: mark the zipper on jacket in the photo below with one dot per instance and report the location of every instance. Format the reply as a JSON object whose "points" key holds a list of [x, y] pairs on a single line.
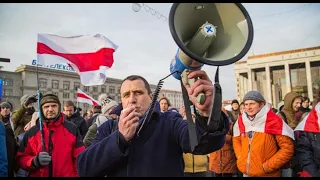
{"points": [[250, 137], [192, 163], [50, 152]]}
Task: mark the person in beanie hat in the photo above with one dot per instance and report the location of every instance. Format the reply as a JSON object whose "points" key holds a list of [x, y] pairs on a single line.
{"points": [[62, 142], [11, 143], [235, 110], [22, 116], [262, 141], [107, 106]]}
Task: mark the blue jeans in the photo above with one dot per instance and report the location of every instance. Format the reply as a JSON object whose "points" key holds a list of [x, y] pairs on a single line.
{"points": [[22, 173], [286, 172]]}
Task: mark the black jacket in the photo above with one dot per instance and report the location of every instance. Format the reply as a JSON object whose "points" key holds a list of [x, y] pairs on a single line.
{"points": [[308, 151], [80, 122], [12, 149]]}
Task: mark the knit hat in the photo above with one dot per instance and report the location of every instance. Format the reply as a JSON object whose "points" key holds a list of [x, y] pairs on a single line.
{"points": [[108, 105], [235, 101], [24, 98], [5, 104], [254, 95], [117, 110], [50, 98]]}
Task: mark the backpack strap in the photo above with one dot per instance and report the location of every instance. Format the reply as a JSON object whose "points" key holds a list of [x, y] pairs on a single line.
{"points": [[284, 116]]}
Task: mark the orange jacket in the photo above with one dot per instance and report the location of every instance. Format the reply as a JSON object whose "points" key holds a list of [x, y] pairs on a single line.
{"points": [[224, 160], [263, 158]]}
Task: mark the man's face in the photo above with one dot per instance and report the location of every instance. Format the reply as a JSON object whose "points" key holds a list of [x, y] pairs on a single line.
{"points": [[296, 104], [50, 110], [68, 110], [134, 93], [164, 105], [252, 107], [5, 111], [235, 106], [89, 114], [305, 104]]}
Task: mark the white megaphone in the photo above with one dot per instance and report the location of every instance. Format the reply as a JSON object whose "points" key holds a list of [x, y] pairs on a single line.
{"points": [[216, 34]]}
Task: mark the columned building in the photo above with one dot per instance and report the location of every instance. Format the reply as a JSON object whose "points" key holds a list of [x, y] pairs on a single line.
{"points": [[276, 74]]}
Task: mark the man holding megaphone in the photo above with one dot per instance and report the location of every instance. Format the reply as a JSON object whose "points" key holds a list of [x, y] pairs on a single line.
{"points": [[146, 142], [157, 151]]}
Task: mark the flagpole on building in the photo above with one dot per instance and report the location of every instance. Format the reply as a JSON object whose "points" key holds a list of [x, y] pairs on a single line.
{"points": [[39, 109]]}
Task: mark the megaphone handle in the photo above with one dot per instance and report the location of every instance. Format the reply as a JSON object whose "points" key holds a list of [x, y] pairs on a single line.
{"points": [[201, 98]]}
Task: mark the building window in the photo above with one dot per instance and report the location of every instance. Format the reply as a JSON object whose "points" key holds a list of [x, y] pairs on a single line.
{"points": [[55, 93], [119, 90], [55, 84], [103, 89], [95, 97], [66, 95], [95, 89], [7, 82], [86, 106], [76, 85], [42, 83], [66, 85], [7, 92], [43, 92], [111, 89], [86, 88]]}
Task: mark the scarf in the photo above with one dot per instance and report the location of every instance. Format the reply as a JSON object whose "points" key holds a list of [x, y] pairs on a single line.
{"points": [[311, 122], [265, 121]]}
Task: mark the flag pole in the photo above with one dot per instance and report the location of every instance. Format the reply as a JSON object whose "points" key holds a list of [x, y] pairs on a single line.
{"points": [[40, 115]]}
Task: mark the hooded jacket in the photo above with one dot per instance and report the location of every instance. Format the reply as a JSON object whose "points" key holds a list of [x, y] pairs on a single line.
{"points": [[288, 110], [20, 119], [63, 143]]}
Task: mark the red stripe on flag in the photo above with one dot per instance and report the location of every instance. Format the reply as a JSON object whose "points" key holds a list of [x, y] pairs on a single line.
{"points": [[312, 124], [242, 129], [274, 124], [79, 95], [84, 61]]}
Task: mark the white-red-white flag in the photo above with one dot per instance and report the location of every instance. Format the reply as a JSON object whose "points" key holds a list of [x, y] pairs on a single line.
{"points": [[265, 121], [85, 98], [89, 56]]}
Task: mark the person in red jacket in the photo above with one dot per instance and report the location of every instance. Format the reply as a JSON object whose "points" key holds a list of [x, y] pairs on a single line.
{"points": [[62, 142]]}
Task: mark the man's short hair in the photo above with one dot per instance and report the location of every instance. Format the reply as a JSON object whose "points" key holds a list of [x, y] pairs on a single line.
{"points": [[136, 77], [68, 104]]}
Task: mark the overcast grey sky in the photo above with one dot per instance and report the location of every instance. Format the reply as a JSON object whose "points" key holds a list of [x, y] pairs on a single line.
{"points": [[145, 44]]}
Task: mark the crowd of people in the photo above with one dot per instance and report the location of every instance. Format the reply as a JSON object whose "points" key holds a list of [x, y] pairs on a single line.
{"points": [[112, 139]]}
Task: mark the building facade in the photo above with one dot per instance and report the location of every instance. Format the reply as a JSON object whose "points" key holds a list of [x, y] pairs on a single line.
{"points": [[276, 74], [175, 97], [64, 84]]}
